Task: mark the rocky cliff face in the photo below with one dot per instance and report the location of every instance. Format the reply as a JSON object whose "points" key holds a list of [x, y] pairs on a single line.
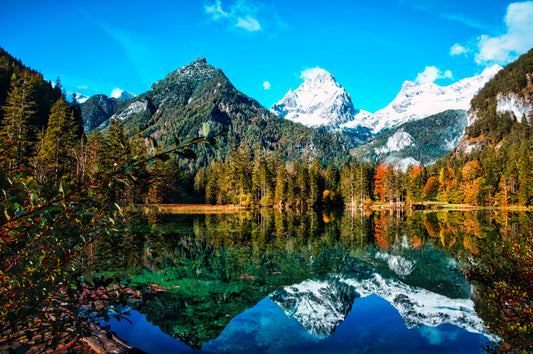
{"points": [[511, 102], [421, 141], [97, 110]]}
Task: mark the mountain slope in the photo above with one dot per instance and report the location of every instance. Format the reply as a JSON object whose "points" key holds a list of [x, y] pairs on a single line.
{"points": [[198, 93], [416, 101], [45, 93], [424, 140], [501, 114], [318, 101], [97, 110]]}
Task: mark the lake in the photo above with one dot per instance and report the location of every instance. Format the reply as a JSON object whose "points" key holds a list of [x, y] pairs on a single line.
{"points": [[275, 282]]}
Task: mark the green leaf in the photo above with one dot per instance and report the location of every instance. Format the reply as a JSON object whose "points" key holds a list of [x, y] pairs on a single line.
{"points": [[222, 132], [206, 128]]}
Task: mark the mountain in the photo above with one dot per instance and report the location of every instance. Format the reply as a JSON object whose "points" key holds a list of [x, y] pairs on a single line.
{"points": [[98, 109], [420, 141], [80, 98], [320, 306], [501, 113], [320, 101], [416, 101], [199, 93], [122, 95]]}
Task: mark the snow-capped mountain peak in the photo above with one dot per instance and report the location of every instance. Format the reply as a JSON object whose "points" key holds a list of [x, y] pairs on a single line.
{"points": [[416, 101], [121, 94], [320, 306], [319, 101]]}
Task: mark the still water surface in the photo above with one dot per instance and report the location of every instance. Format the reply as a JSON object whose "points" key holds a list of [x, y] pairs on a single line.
{"points": [[267, 282]]}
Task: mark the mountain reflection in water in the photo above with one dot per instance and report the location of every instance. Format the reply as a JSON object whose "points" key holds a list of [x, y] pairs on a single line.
{"points": [[275, 282]]}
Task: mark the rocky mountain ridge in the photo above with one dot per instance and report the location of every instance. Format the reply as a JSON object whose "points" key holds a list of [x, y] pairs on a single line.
{"points": [[320, 306], [199, 93], [318, 101], [416, 101]]}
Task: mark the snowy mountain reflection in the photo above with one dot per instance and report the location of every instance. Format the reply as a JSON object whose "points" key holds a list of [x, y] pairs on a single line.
{"points": [[267, 282]]}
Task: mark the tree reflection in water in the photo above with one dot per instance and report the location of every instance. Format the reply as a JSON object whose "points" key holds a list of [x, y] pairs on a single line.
{"points": [[210, 268]]}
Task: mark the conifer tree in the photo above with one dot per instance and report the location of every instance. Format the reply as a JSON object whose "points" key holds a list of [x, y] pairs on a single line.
{"points": [[315, 182], [56, 154], [16, 133], [525, 177]]}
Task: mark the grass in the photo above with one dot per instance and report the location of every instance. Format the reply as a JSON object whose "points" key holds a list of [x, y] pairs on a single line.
{"points": [[188, 208]]}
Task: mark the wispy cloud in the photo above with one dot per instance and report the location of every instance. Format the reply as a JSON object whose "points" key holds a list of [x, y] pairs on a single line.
{"points": [[467, 21], [241, 14], [266, 85], [432, 73], [458, 49], [447, 10], [517, 39], [215, 10], [249, 23]]}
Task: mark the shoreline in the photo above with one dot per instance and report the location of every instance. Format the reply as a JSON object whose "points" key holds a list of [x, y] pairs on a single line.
{"points": [[229, 209]]}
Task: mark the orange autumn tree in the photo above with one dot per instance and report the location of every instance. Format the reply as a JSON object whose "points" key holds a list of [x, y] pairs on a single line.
{"points": [[431, 189], [473, 182], [379, 182]]}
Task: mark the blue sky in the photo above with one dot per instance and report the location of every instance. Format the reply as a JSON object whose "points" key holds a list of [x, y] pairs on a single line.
{"points": [[264, 46]]}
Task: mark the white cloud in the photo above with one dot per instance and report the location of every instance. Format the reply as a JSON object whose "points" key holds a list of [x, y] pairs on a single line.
{"points": [[517, 40], [242, 14], [458, 49], [249, 23], [266, 85], [432, 73], [82, 87], [311, 71], [116, 92]]}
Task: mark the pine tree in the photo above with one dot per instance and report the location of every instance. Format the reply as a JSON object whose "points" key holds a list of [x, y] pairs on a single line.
{"points": [[281, 186], [525, 177], [315, 183], [56, 155], [16, 131]]}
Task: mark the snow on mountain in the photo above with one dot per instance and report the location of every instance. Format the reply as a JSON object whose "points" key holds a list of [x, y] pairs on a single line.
{"points": [[416, 101], [419, 306], [396, 142], [121, 94], [80, 98], [399, 265], [318, 101], [320, 306]]}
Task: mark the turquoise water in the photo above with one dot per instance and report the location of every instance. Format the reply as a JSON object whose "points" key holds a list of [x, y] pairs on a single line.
{"points": [[275, 283]]}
